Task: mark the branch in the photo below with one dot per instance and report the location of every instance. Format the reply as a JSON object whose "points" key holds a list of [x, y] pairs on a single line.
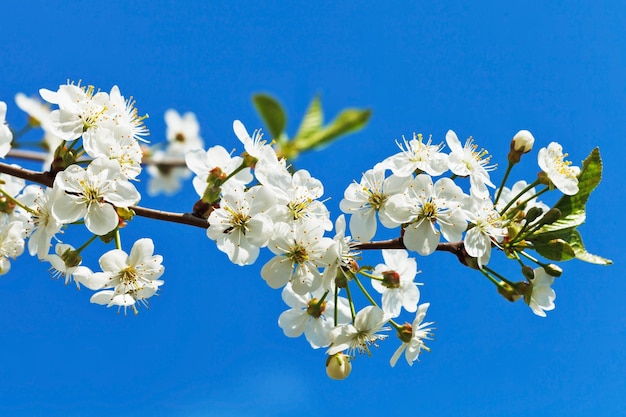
{"points": [[42, 156], [456, 248]]}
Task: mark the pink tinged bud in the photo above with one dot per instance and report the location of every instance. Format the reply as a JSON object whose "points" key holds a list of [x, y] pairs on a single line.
{"points": [[338, 366], [523, 141]]}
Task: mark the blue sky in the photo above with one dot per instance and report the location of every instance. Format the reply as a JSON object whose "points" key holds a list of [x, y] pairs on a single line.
{"points": [[210, 344]]}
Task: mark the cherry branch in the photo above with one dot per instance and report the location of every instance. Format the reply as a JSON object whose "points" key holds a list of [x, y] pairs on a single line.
{"points": [[42, 156], [47, 179]]}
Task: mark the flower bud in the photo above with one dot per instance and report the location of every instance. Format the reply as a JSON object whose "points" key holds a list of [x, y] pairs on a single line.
{"points": [[533, 213], [553, 270], [551, 216], [522, 143], [338, 366]]}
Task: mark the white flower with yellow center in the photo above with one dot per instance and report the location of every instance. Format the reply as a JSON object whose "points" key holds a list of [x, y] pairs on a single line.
{"points": [[397, 287], [560, 172], [418, 156], [240, 225], [467, 161], [425, 205], [93, 194], [80, 109], [300, 250], [127, 279], [487, 228], [413, 343], [312, 314], [363, 200], [359, 336]]}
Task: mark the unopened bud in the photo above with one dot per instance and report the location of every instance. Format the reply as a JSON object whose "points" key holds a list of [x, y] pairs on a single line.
{"points": [[522, 143], [338, 366], [551, 216], [533, 213], [553, 270]]}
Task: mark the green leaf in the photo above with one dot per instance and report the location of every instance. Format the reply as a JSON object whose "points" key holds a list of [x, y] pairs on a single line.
{"points": [[574, 240], [555, 250], [272, 114], [313, 119], [348, 121], [573, 207]]}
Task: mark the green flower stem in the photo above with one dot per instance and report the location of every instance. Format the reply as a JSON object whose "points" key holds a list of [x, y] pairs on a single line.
{"points": [[370, 276], [336, 313], [364, 291], [519, 206], [17, 203], [319, 303], [87, 243], [395, 325], [118, 239], [533, 259], [352, 312], [491, 271], [492, 279], [236, 171], [518, 196], [506, 176]]}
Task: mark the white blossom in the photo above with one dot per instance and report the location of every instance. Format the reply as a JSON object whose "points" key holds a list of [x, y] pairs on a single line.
{"points": [[126, 279], [418, 156], [466, 161], [397, 288], [542, 296], [182, 132], [359, 336], [240, 226], [310, 315], [93, 193], [487, 228], [363, 200], [5, 133], [425, 205], [419, 332], [60, 268], [215, 159], [300, 250], [563, 175]]}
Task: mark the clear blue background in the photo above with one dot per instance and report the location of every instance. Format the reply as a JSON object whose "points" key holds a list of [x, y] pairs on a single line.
{"points": [[210, 344]]}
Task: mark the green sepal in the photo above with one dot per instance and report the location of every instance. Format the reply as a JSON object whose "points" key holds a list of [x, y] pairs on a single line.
{"points": [[272, 114]]}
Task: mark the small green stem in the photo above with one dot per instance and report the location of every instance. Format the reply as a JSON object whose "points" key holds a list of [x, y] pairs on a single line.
{"points": [[492, 279], [352, 311], [87, 243], [118, 240], [17, 203], [506, 176], [370, 276], [518, 196], [491, 271], [364, 291]]}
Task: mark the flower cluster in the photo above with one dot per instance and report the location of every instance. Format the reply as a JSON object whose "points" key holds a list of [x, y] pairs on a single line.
{"points": [[437, 197]]}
